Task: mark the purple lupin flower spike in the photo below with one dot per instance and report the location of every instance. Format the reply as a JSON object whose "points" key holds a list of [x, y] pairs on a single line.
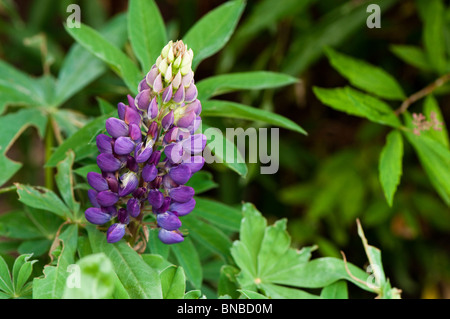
{"points": [[161, 119]]}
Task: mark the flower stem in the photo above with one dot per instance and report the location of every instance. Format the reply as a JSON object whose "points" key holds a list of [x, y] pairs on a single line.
{"points": [[48, 152], [422, 93]]}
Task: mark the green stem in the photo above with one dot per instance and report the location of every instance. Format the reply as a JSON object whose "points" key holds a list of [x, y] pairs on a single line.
{"points": [[49, 175], [8, 189]]}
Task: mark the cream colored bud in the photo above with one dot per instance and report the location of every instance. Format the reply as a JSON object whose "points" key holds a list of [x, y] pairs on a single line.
{"points": [[168, 74], [177, 62], [177, 81], [163, 67]]}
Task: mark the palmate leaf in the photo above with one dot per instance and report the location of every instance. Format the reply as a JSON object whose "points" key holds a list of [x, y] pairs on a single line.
{"points": [[17, 87], [173, 282], [11, 126], [13, 285], [65, 182], [266, 261]]}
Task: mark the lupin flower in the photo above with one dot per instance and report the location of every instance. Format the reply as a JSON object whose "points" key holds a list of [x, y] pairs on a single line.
{"points": [[161, 119]]}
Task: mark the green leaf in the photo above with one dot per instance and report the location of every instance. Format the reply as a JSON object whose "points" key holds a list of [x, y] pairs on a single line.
{"points": [[82, 142], [22, 270], [256, 80], [5, 278], [332, 30], [37, 247], [218, 213], [52, 285], [280, 292], [208, 235], [193, 294], [202, 181], [375, 264], [156, 246], [146, 30], [251, 294], [155, 261], [435, 159], [42, 198], [17, 88], [64, 180], [188, 258], [224, 150], [390, 167], [241, 111], [139, 280], [365, 76], [337, 290], [431, 106], [212, 31], [80, 67], [412, 55], [96, 278], [118, 61], [11, 127], [265, 258], [228, 284], [433, 34], [359, 104], [173, 282]]}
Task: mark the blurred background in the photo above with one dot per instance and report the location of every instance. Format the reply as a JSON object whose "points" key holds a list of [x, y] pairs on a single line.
{"points": [[327, 179]]}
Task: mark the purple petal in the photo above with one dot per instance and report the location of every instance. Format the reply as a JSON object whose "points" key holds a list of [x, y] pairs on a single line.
{"points": [[170, 237], [195, 106], [187, 120], [191, 93], [123, 145], [180, 174], [116, 127], [132, 116], [195, 163], [182, 208], [195, 144], [122, 216], [121, 107], [133, 207], [135, 132], [154, 158], [158, 84], [97, 181], [153, 109], [142, 100], [164, 207], [143, 85], [167, 120], [151, 76], [187, 79], [168, 221], [155, 198], [108, 163], [181, 194], [92, 194], [174, 152], [96, 216], [149, 172], [104, 143], [143, 152], [167, 94], [107, 198], [115, 233], [129, 182]]}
